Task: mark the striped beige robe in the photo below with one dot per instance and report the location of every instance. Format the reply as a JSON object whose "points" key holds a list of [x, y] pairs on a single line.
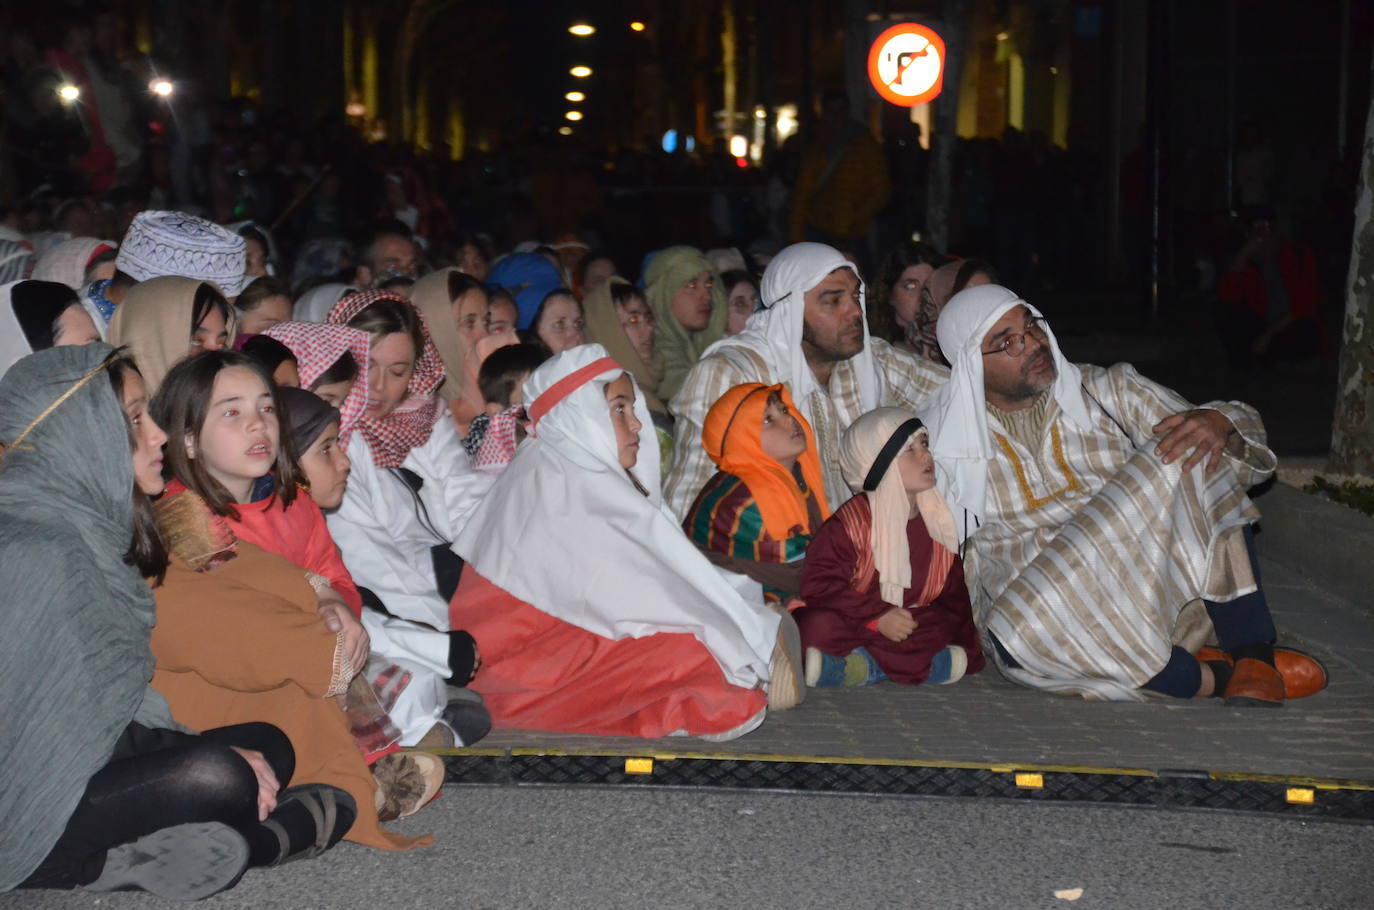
{"points": [[907, 381], [1091, 558]]}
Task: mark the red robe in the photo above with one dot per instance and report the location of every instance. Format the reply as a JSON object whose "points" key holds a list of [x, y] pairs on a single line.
{"points": [[838, 618], [541, 673]]}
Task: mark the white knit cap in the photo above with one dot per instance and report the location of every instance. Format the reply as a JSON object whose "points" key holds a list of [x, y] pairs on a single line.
{"points": [[175, 243]]}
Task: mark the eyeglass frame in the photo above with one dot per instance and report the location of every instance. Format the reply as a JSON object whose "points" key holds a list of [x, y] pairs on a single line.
{"points": [[1036, 325]]}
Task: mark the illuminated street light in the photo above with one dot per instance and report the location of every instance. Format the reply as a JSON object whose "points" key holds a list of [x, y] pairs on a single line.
{"points": [[68, 93], [355, 109], [574, 116], [739, 146], [636, 26], [161, 87], [760, 113], [582, 30], [580, 72], [565, 131], [575, 97]]}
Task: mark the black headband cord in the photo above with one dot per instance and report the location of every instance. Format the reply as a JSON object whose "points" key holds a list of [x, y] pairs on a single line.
{"points": [[889, 453]]}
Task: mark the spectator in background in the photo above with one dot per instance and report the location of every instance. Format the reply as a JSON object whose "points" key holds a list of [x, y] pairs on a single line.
{"points": [[1269, 298], [903, 274], [390, 253]]}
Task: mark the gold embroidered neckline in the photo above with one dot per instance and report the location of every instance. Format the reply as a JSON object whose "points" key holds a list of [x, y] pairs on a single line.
{"points": [[1071, 481]]}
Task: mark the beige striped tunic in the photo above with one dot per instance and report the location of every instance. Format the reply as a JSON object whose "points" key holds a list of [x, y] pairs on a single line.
{"points": [[906, 382], [1092, 557]]}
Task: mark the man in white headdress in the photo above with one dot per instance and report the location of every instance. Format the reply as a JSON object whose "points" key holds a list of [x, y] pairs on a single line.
{"points": [[1106, 519], [812, 335]]}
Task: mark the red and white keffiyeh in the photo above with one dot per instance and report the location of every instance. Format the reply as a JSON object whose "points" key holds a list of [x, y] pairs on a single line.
{"points": [[498, 443], [318, 346], [392, 437]]}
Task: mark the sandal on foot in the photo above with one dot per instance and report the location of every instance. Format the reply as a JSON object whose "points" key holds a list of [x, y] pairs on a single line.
{"points": [[786, 687], [181, 863], [406, 782], [330, 810]]}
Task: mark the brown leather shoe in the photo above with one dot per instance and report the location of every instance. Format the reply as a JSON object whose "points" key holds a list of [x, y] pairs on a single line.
{"points": [[1254, 684], [1303, 675]]}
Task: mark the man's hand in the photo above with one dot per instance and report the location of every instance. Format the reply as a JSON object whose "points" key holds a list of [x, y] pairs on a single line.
{"points": [[1206, 432], [267, 780], [338, 617], [897, 624]]}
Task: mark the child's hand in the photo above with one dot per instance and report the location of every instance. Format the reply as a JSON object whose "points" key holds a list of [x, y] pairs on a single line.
{"points": [[897, 624], [337, 616]]}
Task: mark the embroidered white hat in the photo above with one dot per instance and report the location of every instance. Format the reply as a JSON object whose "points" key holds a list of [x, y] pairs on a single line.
{"points": [[175, 243]]}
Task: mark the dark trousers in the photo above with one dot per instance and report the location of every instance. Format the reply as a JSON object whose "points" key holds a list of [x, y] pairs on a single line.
{"points": [[161, 778], [1239, 326]]}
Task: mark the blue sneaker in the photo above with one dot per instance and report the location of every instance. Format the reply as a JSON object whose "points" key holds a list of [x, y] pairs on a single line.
{"points": [[948, 666], [828, 671]]}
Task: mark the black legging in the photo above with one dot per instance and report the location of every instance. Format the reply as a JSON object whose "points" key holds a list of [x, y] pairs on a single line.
{"points": [[160, 778]]}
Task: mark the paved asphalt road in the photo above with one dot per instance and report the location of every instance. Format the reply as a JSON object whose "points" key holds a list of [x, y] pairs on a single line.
{"points": [[538, 847]]}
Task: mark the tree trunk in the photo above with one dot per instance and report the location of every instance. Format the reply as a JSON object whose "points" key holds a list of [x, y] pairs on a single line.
{"points": [[1352, 436], [943, 138]]}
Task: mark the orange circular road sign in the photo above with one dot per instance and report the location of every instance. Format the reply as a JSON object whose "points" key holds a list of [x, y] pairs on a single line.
{"points": [[907, 64]]}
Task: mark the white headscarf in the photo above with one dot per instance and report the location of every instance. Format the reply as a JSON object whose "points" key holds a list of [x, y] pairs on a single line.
{"points": [[565, 530], [957, 414], [67, 262], [775, 332], [314, 305], [888, 503], [14, 345]]}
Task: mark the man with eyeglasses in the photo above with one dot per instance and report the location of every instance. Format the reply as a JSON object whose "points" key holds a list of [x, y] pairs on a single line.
{"points": [[1105, 521]]}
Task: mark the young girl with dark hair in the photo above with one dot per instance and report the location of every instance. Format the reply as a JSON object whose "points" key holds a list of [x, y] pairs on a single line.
{"points": [[107, 791], [242, 632], [164, 319]]}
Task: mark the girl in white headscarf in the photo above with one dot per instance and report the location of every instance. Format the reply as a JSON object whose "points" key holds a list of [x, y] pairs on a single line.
{"points": [[883, 583], [595, 612]]}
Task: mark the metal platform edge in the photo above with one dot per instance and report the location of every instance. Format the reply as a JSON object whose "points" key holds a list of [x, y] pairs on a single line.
{"points": [[1291, 796]]}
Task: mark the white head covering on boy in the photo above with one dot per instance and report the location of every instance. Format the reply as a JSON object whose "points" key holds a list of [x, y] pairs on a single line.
{"points": [[957, 414], [565, 530], [175, 243]]}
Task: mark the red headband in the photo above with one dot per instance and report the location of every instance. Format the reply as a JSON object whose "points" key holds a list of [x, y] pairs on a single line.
{"points": [[566, 386]]}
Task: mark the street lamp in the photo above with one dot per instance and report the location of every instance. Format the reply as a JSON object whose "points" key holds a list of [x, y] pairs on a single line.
{"points": [[574, 116], [565, 131], [580, 72], [68, 93], [637, 26], [575, 97], [582, 30], [163, 88]]}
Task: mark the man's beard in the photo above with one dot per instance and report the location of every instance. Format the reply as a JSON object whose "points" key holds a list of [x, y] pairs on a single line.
{"points": [[832, 352], [1031, 387]]}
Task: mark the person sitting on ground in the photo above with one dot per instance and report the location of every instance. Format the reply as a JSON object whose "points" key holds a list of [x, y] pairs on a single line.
{"points": [[1269, 297], [37, 315], [1102, 513], [620, 626], [454, 306], [243, 633], [903, 275], [495, 434], [411, 491], [327, 358], [742, 298], [165, 319], [883, 583], [620, 320], [811, 335], [690, 312], [758, 512], [107, 791], [558, 324], [946, 281], [263, 303], [276, 359]]}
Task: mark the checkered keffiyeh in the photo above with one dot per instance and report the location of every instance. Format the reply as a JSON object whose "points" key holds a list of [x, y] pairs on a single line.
{"points": [[498, 443], [392, 437], [318, 346]]}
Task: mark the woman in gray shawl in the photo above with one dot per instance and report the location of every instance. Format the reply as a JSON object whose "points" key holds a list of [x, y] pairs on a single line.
{"points": [[103, 789]]}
